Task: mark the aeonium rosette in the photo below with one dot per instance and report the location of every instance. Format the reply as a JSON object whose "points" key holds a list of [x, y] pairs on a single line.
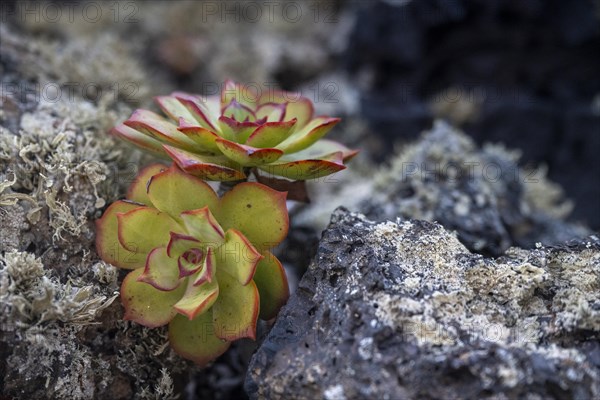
{"points": [[224, 137], [199, 263]]}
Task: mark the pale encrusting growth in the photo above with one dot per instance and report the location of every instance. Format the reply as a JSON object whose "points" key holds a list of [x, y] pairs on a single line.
{"points": [[60, 327]]}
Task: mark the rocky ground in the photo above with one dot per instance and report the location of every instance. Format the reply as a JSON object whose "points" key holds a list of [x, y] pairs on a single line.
{"points": [[468, 276], [403, 310]]}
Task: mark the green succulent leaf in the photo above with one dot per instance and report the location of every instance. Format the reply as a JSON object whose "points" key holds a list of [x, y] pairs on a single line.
{"points": [[159, 128], [236, 131], [147, 305], [202, 225], [308, 135], [236, 310], [174, 108], [273, 112], [208, 268], [196, 339], [180, 243], [197, 298], [324, 148], [211, 168], [138, 190], [107, 242], [272, 284], [161, 271], [144, 228], [258, 212], [239, 93], [248, 156], [238, 257], [198, 108], [139, 139], [174, 191], [271, 134], [297, 106], [205, 138], [238, 112], [298, 168]]}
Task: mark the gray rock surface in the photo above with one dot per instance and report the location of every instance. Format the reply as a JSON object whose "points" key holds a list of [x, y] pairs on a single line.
{"points": [[403, 310], [481, 193]]}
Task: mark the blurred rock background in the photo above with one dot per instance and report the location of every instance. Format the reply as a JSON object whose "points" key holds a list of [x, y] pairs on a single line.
{"points": [[522, 74]]}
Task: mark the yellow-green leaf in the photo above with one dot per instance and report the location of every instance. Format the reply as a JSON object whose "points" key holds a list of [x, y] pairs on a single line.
{"points": [[161, 271], [258, 212], [107, 242], [196, 339], [138, 190], [236, 310], [147, 305], [202, 225], [144, 228], [272, 284], [237, 257], [174, 191], [197, 299]]}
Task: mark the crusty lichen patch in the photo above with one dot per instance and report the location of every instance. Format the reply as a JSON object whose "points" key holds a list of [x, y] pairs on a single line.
{"points": [[61, 330], [499, 299], [404, 309], [481, 193]]}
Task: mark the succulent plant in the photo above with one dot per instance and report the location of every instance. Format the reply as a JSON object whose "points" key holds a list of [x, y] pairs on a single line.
{"points": [[199, 263], [224, 137]]}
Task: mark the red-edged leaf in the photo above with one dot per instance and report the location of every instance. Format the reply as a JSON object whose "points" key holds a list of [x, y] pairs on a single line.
{"points": [[147, 305], [196, 339], [270, 134], [273, 112], [138, 190], [272, 284], [171, 106], [258, 212], [198, 108], [325, 147], [173, 191], [202, 136], [236, 310], [208, 268], [197, 299], [190, 262], [243, 94], [161, 271], [238, 112], [204, 167], [202, 225], [107, 240], [297, 106], [144, 228], [236, 131], [246, 155], [304, 137], [306, 169], [238, 257], [139, 139], [159, 128], [180, 243]]}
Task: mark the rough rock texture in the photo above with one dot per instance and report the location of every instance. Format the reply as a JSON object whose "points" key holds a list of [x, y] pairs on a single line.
{"points": [[61, 330], [404, 310], [482, 193], [524, 73]]}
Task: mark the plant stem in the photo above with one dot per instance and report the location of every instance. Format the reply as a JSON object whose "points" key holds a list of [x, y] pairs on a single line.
{"points": [[225, 187]]}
